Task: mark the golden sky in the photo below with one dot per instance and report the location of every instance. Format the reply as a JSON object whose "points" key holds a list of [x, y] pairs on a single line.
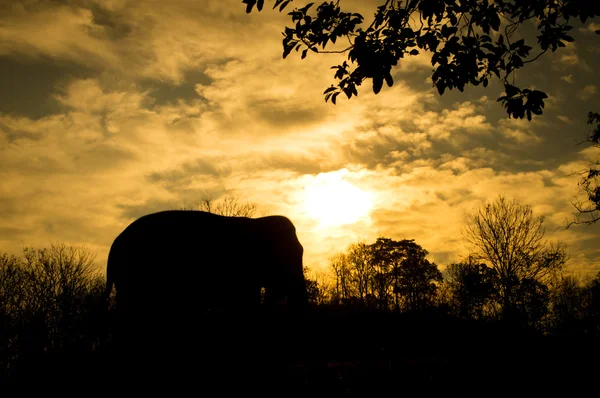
{"points": [[111, 109]]}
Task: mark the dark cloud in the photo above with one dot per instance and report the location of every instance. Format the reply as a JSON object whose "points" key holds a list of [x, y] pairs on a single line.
{"points": [[29, 84], [188, 171], [114, 25], [279, 115], [165, 93]]}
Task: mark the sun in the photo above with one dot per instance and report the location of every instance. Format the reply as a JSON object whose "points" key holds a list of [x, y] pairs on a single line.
{"points": [[334, 202]]}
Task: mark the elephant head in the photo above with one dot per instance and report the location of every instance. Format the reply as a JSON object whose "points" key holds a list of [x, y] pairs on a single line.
{"points": [[182, 262]]}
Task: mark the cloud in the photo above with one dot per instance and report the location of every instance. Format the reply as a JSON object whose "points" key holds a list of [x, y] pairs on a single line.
{"points": [[569, 57], [518, 134], [590, 28], [465, 117], [568, 78], [564, 119], [587, 92], [56, 31]]}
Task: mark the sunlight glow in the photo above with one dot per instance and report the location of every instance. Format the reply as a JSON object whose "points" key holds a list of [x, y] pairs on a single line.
{"points": [[334, 202]]}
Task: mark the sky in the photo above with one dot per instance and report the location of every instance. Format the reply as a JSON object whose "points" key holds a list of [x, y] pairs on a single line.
{"points": [[112, 109]]}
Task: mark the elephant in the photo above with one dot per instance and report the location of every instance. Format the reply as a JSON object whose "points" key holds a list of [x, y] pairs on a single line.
{"points": [[183, 275], [197, 260]]}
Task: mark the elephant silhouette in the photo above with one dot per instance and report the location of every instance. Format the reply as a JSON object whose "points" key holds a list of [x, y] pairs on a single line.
{"points": [[188, 285], [183, 262]]}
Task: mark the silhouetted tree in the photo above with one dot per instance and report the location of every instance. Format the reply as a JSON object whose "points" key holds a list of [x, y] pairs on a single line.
{"points": [[471, 287], [359, 258], [568, 306], [11, 286], [341, 271], [589, 208], [229, 206], [313, 289], [50, 303], [506, 235], [593, 307], [416, 279], [469, 42], [353, 273], [320, 287], [385, 273], [387, 257], [530, 302]]}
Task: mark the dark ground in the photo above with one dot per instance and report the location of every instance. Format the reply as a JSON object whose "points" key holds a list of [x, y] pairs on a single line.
{"points": [[354, 354]]}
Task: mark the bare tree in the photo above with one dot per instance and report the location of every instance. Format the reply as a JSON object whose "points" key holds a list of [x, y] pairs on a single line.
{"points": [[339, 265], [321, 289], [353, 272], [50, 302], [11, 285], [228, 206], [506, 236], [359, 257]]}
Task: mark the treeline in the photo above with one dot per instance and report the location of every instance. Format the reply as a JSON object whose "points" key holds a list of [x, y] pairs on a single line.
{"points": [[395, 276], [50, 306], [513, 274]]}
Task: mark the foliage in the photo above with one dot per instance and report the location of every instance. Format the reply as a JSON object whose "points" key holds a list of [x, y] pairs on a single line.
{"points": [[471, 287], [416, 278], [386, 274], [470, 42], [506, 235]]}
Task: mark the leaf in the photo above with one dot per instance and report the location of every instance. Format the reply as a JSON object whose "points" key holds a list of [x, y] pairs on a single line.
{"points": [[377, 83], [517, 61], [288, 47], [260, 4], [389, 80], [249, 5], [448, 31], [304, 53], [414, 52], [567, 38], [511, 91], [441, 87], [517, 44], [283, 4], [304, 9], [333, 98]]}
